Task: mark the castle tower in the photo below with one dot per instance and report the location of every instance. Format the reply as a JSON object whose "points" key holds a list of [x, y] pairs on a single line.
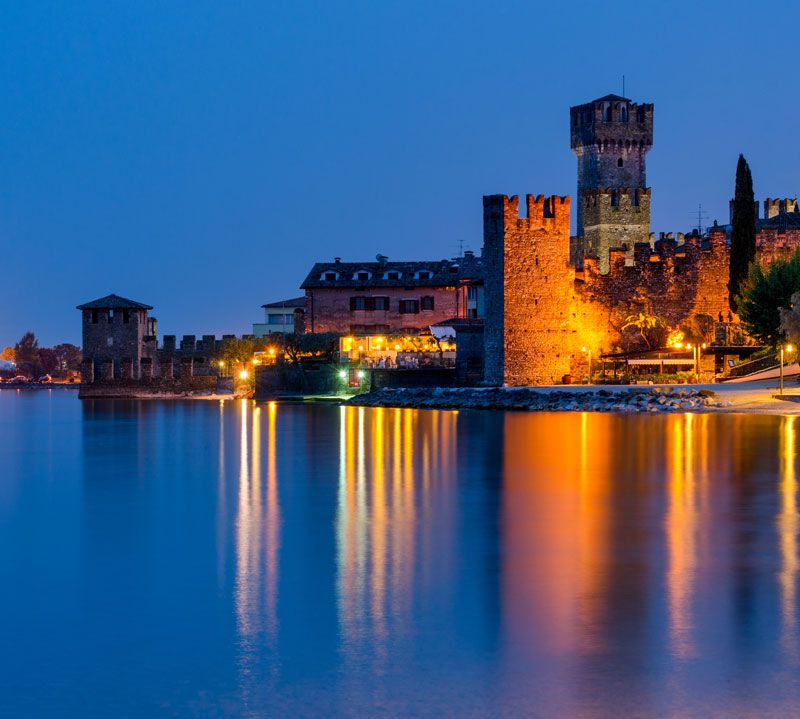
{"points": [[114, 330], [528, 338], [611, 137]]}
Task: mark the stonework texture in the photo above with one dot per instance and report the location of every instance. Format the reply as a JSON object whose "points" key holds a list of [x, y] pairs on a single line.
{"points": [[528, 290]]}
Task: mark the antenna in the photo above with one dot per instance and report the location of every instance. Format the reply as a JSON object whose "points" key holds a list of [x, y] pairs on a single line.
{"points": [[700, 215], [460, 245], [623, 86]]}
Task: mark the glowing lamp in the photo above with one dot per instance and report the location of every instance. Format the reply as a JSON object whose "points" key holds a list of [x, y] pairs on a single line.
{"points": [[243, 374], [342, 374], [789, 348], [361, 374]]}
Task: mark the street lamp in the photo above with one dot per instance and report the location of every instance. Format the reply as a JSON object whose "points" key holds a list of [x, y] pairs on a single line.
{"points": [[788, 349], [588, 352]]}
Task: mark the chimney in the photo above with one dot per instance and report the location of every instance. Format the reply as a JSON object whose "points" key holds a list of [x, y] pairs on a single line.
{"points": [[337, 260]]}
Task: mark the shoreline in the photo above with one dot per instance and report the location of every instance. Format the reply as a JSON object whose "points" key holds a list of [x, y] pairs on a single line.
{"points": [[627, 399]]}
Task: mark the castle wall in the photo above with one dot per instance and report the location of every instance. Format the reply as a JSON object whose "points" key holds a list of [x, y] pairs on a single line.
{"points": [[528, 336]]}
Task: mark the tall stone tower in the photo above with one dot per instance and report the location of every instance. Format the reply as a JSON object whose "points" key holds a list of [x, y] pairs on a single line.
{"points": [[528, 335], [611, 137]]}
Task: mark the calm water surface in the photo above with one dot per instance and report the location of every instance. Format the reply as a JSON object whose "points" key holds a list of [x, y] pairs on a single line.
{"points": [[195, 559]]}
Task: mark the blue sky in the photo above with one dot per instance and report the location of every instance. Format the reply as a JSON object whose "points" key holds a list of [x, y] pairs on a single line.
{"points": [[201, 156]]}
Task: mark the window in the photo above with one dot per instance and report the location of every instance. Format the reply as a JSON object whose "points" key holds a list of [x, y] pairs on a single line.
{"points": [[329, 276], [607, 112], [109, 341], [472, 313], [361, 275], [614, 198], [409, 307], [426, 303], [110, 316], [126, 316], [358, 303], [619, 162], [276, 319], [423, 275], [95, 317], [391, 275], [381, 303], [472, 292], [623, 114]]}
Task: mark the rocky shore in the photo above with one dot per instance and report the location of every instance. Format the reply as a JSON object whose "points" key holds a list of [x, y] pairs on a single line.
{"points": [[530, 399]]}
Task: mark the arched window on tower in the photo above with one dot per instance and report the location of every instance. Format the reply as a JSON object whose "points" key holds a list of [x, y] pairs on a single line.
{"points": [[619, 162], [614, 198], [623, 114], [607, 112]]}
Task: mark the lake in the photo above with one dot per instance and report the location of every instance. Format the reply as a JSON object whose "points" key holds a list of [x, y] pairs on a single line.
{"points": [[206, 559]]}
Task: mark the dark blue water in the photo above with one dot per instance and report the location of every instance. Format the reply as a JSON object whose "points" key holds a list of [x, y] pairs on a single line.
{"points": [[198, 559]]}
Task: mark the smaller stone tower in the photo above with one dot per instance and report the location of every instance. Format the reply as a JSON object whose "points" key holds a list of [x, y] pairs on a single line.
{"points": [[114, 332], [611, 137]]}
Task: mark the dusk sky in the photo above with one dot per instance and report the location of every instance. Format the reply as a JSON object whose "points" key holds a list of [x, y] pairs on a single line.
{"points": [[201, 156]]}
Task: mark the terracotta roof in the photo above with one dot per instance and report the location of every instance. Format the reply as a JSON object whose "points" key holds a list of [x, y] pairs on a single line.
{"points": [[294, 302], [113, 302], [443, 273]]}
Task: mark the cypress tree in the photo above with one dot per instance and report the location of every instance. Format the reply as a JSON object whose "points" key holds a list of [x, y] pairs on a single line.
{"points": [[743, 231]]}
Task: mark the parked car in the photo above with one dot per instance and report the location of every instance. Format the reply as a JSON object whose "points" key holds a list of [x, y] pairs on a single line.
{"points": [[19, 379]]}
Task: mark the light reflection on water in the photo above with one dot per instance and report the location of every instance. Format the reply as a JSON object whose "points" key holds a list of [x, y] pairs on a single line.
{"points": [[241, 559]]}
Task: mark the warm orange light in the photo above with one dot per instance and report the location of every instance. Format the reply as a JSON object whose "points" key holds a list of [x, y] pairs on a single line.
{"points": [[221, 363], [789, 348], [688, 345], [361, 348], [272, 351], [397, 347], [243, 374]]}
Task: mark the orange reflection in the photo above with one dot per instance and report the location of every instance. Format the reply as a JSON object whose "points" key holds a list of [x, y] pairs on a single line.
{"points": [[687, 441], [787, 524], [389, 461], [258, 520], [555, 529]]}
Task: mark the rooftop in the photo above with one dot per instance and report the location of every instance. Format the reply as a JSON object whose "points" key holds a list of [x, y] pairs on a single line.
{"points": [[294, 302], [113, 302], [383, 273]]}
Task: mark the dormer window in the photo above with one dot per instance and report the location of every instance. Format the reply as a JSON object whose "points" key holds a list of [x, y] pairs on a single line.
{"points": [[393, 275], [329, 276], [423, 275], [362, 275]]}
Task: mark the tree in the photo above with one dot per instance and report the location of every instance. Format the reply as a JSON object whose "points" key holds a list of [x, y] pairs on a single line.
{"points": [[319, 344], [26, 352], [8, 355], [649, 326], [699, 328], [790, 319], [743, 232], [237, 352], [69, 357], [763, 296]]}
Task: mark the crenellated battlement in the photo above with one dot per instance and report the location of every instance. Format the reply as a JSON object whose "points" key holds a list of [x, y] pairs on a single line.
{"points": [[538, 208], [775, 206]]}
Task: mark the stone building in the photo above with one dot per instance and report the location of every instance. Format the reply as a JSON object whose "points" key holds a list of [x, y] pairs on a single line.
{"points": [[382, 297], [122, 356], [551, 297], [611, 137]]}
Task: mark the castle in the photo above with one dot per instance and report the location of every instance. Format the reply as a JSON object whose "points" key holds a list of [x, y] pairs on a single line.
{"points": [[551, 297]]}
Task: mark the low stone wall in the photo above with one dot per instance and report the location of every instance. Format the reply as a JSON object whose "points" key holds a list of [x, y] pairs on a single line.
{"points": [[284, 380], [651, 399], [130, 388], [423, 377]]}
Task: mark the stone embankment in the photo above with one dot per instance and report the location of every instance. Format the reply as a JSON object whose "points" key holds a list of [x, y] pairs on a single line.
{"points": [[640, 399]]}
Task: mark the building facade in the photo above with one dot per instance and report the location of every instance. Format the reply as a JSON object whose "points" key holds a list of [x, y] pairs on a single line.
{"points": [[282, 317], [382, 297]]}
